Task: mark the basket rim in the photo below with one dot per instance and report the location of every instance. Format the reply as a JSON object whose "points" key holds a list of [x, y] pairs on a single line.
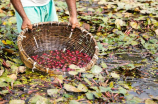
{"points": [[35, 65]]}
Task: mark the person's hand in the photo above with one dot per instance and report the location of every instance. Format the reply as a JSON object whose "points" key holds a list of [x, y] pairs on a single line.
{"points": [[74, 22], [26, 24]]}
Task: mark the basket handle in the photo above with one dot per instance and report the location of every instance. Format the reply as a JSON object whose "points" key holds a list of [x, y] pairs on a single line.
{"points": [[25, 29]]}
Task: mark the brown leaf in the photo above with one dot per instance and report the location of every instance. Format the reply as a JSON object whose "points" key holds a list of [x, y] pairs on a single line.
{"points": [[86, 26], [21, 69], [9, 51], [12, 76]]}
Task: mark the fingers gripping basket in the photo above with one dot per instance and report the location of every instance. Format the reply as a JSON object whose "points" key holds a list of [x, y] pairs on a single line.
{"points": [[48, 36]]}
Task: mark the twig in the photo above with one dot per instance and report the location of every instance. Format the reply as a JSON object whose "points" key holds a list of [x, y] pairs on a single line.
{"points": [[59, 83], [106, 72], [78, 78], [79, 75], [94, 81], [84, 100], [9, 90], [108, 94], [104, 96], [107, 81], [114, 88], [116, 95]]}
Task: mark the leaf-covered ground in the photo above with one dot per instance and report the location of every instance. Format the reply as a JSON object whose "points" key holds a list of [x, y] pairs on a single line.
{"points": [[126, 71]]}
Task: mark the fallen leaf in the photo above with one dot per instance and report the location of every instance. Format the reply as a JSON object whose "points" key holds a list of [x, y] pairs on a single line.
{"points": [[74, 102], [3, 92], [96, 69], [97, 94], [71, 88], [77, 68], [115, 75], [16, 102], [103, 64], [58, 79], [156, 59], [119, 22], [1, 71], [86, 26], [82, 87], [9, 63], [12, 76], [21, 69], [104, 89], [12, 20], [149, 101], [73, 72], [72, 66], [89, 95], [122, 90], [14, 69], [52, 92], [156, 31], [134, 25], [37, 99]]}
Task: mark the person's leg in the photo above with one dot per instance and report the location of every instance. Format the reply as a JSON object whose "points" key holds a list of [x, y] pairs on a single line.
{"points": [[51, 12], [33, 13], [38, 14]]}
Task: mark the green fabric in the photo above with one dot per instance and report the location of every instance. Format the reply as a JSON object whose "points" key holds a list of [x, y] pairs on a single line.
{"points": [[38, 14]]}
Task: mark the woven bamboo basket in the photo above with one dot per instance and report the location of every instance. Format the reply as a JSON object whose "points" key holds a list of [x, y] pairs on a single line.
{"points": [[46, 36]]}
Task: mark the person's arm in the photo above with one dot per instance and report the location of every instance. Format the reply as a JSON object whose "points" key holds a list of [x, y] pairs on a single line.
{"points": [[73, 13], [19, 8]]}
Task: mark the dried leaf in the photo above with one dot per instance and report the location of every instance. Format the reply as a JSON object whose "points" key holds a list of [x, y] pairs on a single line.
{"points": [[149, 101], [97, 94], [103, 64], [14, 69], [58, 79], [37, 99], [122, 90], [4, 92], [73, 72], [21, 69], [156, 59], [86, 26], [74, 102], [52, 92], [12, 76], [156, 31], [104, 89], [72, 66], [134, 25], [89, 95], [96, 69], [16, 102], [115, 75], [82, 87], [119, 22], [71, 88], [1, 72], [9, 63], [77, 68]]}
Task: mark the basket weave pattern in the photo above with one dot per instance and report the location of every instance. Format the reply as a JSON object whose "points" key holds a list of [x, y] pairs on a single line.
{"points": [[48, 36]]}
